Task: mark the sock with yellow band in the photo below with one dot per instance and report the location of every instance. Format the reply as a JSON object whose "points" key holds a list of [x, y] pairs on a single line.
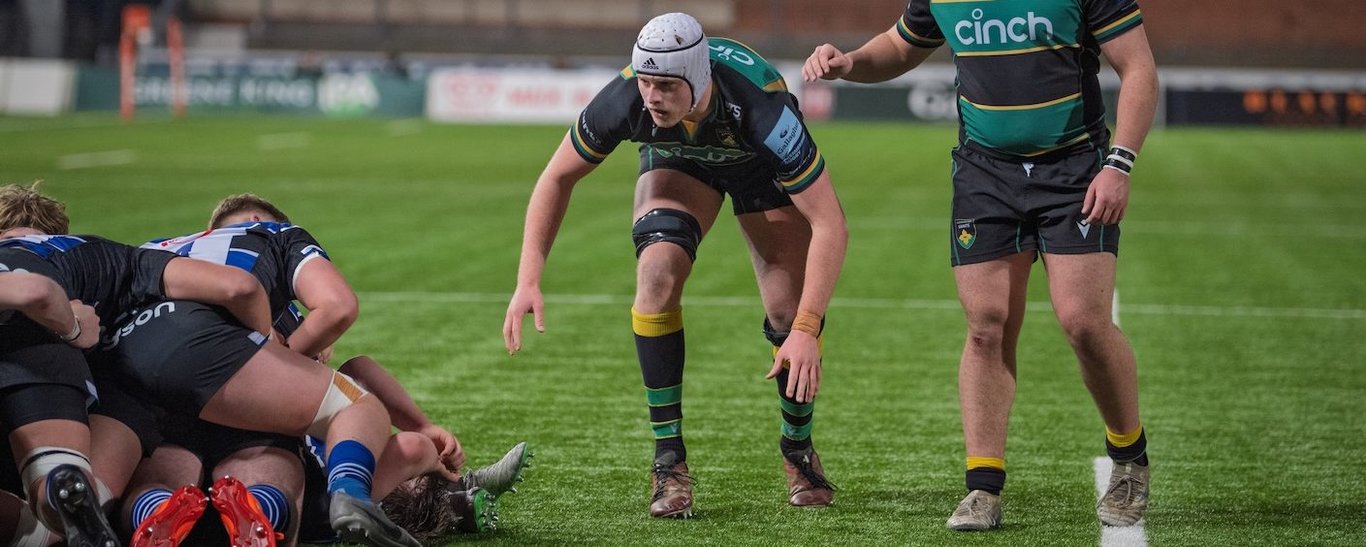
{"points": [[986, 473], [797, 416], [1128, 447], [659, 347]]}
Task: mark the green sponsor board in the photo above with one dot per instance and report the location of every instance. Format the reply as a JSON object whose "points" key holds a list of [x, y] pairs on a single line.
{"points": [[336, 95]]}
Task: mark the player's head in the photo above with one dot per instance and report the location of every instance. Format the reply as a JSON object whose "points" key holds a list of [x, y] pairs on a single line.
{"points": [[424, 507], [23, 208], [245, 208], [673, 66]]}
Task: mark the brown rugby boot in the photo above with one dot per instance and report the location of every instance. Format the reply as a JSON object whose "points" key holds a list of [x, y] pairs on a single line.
{"points": [[671, 486], [806, 480]]}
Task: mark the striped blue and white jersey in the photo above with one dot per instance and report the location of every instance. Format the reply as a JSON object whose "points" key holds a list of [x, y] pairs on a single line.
{"points": [[274, 252]]}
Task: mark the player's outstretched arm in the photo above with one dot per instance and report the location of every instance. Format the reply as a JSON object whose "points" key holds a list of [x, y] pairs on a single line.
{"points": [[403, 410], [549, 201], [824, 260], [44, 301], [882, 58], [1108, 196], [332, 307], [226, 286]]}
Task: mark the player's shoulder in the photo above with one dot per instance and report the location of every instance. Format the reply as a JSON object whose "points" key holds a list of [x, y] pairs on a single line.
{"points": [[734, 60]]}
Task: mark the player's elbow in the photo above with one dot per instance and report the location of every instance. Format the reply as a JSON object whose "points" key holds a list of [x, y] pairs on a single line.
{"points": [[238, 286], [342, 308]]}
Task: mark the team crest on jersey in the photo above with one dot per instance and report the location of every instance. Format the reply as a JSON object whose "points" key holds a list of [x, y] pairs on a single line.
{"points": [[727, 136], [966, 228]]}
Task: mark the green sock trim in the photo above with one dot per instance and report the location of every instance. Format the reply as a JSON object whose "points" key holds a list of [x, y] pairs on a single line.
{"points": [[796, 409], [668, 430], [664, 396], [797, 432]]}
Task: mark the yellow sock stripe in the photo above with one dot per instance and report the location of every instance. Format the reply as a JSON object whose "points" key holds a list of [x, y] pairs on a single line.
{"points": [[657, 324], [1124, 440], [975, 462]]}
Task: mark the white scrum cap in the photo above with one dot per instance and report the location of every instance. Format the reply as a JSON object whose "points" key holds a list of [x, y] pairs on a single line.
{"points": [[673, 45]]}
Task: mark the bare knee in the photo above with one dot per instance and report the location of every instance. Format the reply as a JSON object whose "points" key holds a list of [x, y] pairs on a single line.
{"points": [[987, 329], [414, 450], [1083, 329], [660, 277]]}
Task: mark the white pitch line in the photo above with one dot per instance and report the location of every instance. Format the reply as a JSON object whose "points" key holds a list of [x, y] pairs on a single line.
{"points": [[281, 141], [869, 303], [403, 128], [1116, 536], [96, 159]]}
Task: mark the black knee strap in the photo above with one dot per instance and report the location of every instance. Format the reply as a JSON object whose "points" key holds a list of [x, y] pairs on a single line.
{"points": [[777, 337], [667, 225]]}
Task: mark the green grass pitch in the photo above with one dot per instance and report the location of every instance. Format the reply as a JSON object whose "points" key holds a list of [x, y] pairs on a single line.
{"points": [[1240, 282]]}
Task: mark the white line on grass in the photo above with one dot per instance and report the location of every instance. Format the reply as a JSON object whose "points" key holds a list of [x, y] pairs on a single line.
{"points": [[1111, 536], [1159, 227], [96, 159], [1116, 536], [403, 128], [281, 141], [866, 303]]}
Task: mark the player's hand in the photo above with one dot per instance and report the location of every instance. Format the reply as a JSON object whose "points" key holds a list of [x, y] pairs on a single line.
{"points": [[826, 63], [324, 356], [448, 449], [1106, 198], [525, 300], [801, 353], [90, 325]]}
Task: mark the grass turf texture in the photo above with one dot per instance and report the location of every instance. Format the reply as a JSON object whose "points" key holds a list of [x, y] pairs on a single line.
{"points": [[1240, 290]]}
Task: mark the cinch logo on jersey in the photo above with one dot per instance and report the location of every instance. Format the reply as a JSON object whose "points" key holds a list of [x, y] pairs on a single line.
{"points": [[1016, 30], [727, 53], [140, 319]]}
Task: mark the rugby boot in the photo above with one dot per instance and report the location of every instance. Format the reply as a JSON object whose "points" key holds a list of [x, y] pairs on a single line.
{"points": [[1126, 499], [173, 520], [980, 510], [361, 521], [477, 508], [247, 525], [806, 482], [672, 487], [503, 475], [83, 523]]}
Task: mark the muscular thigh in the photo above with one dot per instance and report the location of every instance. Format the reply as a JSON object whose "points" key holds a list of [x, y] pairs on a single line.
{"points": [[675, 189], [778, 242]]}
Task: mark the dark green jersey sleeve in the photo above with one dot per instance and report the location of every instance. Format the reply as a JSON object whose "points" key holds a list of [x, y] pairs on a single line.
{"points": [[918, 27], [607, 120], [1107, 19]]}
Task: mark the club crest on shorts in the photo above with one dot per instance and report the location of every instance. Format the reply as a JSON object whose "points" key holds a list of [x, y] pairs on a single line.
{"points": [[966, 230]]}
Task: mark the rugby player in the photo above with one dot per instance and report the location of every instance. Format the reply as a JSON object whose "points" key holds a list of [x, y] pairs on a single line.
{"points": [[1034, 174], [251, 233], [195, 359], [713, 118], [46, 386]]}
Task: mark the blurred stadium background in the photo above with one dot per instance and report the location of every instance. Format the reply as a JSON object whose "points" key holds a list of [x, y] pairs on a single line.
{"points": [[406, 135]]}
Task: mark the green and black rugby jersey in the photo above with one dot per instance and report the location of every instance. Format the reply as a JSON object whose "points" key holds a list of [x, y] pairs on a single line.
{"points": [[753, 116], [1027, 69]]}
